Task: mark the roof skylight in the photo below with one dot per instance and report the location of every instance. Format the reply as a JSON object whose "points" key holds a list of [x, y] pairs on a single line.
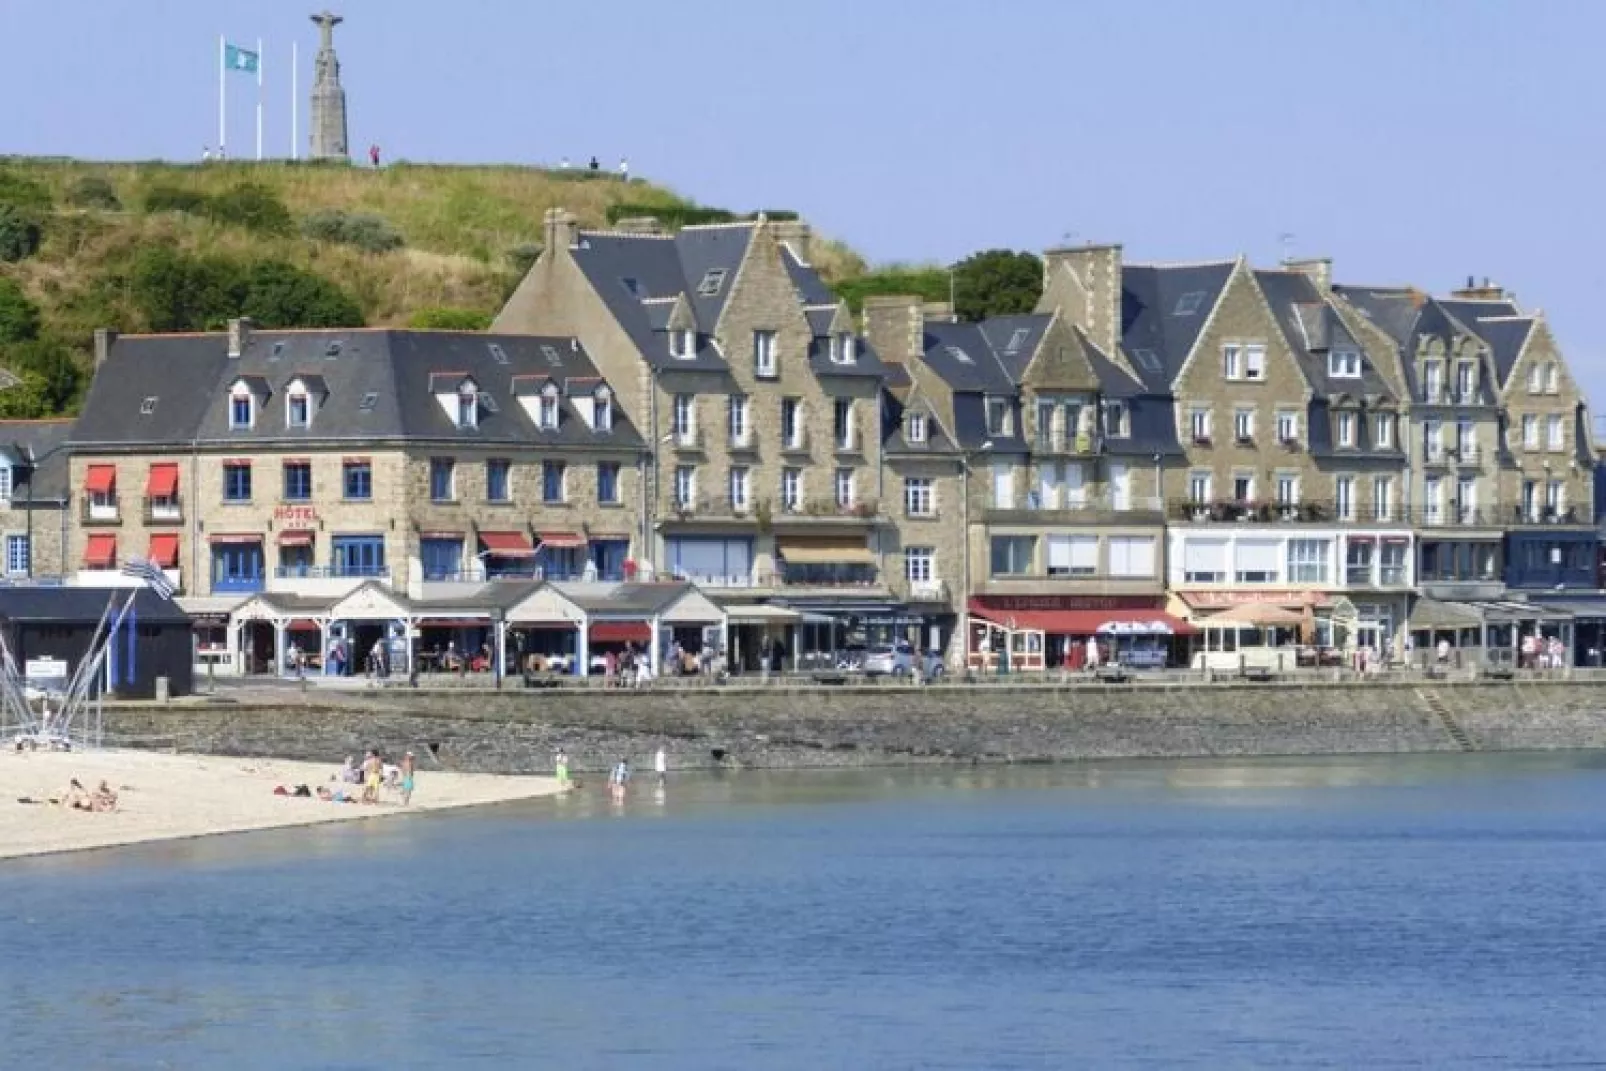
{"points": [[1189, 303], [1148, 359], [1017, 340], [552, 356], [498, 354], [713, 279], [369, 401], [959, 355], [148, 406]]}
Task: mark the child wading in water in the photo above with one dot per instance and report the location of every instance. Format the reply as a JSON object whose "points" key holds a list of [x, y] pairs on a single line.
{"points": [[407, 778]]}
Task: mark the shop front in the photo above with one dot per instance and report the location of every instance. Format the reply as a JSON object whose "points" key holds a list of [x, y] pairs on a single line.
{"points": [[1042, 632]]}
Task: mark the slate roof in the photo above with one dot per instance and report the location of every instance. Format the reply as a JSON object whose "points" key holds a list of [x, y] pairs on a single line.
{"points": [[380, 386], [36, 439], [1014, 339], [962, 355], [1499, 323], [631, 600], [1312, 329], [83, 606], [938, 442], [1156, 319], [1406, 315]]}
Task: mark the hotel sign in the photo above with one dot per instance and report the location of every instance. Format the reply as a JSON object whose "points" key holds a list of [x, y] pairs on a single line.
{"points": [[1242, 596], [1026, 603], [295, 516]]}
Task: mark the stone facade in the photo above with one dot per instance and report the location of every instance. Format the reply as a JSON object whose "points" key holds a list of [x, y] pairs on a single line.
{"points": [[1547, 463]]}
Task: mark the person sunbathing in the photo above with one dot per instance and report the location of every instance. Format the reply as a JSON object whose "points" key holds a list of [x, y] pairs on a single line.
{"points": [[105, 799]]}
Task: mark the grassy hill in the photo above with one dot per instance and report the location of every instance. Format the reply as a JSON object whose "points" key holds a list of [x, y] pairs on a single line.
{"points": [[80, 240]]}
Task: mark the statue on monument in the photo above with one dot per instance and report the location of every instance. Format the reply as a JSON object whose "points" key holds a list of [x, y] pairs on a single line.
{"points": [[326, 22], [328, 132]]}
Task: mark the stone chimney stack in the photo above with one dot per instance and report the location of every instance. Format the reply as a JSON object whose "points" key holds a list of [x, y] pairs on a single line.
{"points": [[1084, 285], [104, 338], [562, 229], [1474, 291], [794, 234], [239, 335], [640, 225], [895, 325], [1318, 269]]}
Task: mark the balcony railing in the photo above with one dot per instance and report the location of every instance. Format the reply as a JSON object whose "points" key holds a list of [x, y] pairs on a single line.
{"points": [[1072, 445], [1329, 512], [688, 439], [107, 511], [928, 591], [168, 510], [534, 572], [714, 507], [1516, 516], [331, 572], [844, 577]]}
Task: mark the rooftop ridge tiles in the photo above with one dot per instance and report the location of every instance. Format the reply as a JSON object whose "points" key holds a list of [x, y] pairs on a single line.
{"points": [[1182, 263], [643, 235], [729, 225]]}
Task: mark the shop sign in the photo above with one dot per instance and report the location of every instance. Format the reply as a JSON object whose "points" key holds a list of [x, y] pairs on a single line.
{"points": [[1200, 599], [295, 516], [1026, 603]]}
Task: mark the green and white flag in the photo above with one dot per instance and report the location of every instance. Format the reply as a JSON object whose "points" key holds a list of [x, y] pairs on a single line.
{"points": [[240, 59]]}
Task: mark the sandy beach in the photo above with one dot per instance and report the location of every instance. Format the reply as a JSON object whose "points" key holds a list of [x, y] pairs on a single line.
{"points": [[167, 796]]}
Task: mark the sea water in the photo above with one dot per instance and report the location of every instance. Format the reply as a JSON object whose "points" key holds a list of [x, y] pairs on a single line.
{"points": [[1358, 913]]}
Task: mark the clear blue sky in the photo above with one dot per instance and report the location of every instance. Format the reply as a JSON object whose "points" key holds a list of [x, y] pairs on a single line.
{"points": [[1411, 140]]}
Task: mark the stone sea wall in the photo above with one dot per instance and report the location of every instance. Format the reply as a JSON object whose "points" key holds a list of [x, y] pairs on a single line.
{"points": [[517, 731]]}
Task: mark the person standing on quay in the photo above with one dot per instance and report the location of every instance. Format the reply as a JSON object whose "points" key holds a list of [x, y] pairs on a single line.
{"points": [[660, 764], [407, 773]]}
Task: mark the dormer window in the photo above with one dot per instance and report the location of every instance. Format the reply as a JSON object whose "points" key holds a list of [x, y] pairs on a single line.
{"points": [[1344, 364], [917, 428], [683, 344], [298, 410], [602, 419], [844, 348], [998, 417], [242, 408], [549, 407], [468, 409]]}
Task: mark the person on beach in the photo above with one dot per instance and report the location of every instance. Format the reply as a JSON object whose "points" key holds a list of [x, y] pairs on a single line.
{"points": [[408, 771], [619, 779], [349, 774], [660, 764], [560, 767], [105, 799], [76, 798], [372, 772]]}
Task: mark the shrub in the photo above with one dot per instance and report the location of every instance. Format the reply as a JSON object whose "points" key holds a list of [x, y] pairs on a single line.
{"points": [[49, 365], [252, 206], [93, 191], [447, 319], [19, 317], [370, 233], [930, 284], [23, 192], [671, 215], [522, 257], [164, 198], [19, 233], [277, 294], [177, 292]]}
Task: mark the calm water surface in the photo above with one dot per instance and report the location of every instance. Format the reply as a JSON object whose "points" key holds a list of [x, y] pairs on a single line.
{"points": [[1375, 913]]}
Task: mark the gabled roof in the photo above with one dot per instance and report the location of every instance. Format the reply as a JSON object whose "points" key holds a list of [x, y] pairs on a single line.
{"points": [[1499, 323], [1163, 309], [314, 382], [629, 269], [962, 356], [711, 253], [41, 441], [1312, 330], [1015, 339], [938, 442]]}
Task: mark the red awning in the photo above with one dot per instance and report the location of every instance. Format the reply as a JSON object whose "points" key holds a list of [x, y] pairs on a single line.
{"points": [[302, 624], [234, 537], [453, 622], [295, 537], [101, 551], [1081, 622], [562, 540], [162, 481], [164, 549], [621, 632], [507, 544], [101, 479]]}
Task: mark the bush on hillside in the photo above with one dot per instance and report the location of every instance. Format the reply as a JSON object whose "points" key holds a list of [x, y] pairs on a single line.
{"points": [[19, 233], [282, 295], [174, 291], [370, 233], [252, 206], [165, 198], [929, 284], [19, 317], [93, 191], [24, 193], [671, 216], [49, 364], [447, 319], [25, 400], [997, 282]]}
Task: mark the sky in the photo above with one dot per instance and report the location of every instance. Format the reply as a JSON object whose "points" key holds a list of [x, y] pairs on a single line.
{"points": [[1412, 141]]}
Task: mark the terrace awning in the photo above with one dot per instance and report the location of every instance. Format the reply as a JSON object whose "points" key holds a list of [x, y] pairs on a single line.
{"points": [[818, 551], [295, 537], [164, 549], [621, 632], [162, 482], [100, 479], [1137, 622], [101, 550], [507, 544]]}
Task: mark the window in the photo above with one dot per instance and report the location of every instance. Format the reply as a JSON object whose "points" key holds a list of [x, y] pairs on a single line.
{"points": [[1204, 561], [358, 479], [441, 471], [548, 411], [148, 406], [1552, 378], [1383, 427], [919, 564], [1466, 439], [844, 488], [1132, 556], [554, 480], [791, 423], [1391, 562], [1243, 425], [918, 497], [1257, 561], [736, 420], [237, 481], [1243, 487], [998, 417], [1554, 439], [712, 280], [468, 409], [5, 482], [683, 344], [1535, 379], [917, 428], [740, 480], [1346, 429], [241, 409], [1344, 497], [1012, 555], [1344, 364], [843, 348], [1466, 500], [1433, 500], [1530, 431], [1232, 361], [1307, 560], [19, 555], [1382, 498], [1199, 488], [442, 559], [608, 483], [1287, 489], [1433, 439], [369, 402], [1555, 498], [724, 562], [358, 555], [1003, 485], [498, 480], [1255, 363], [1199, 425], [1530, 500], [297, 481], [764, 359], [842, 423], [1466, 382], [1189, 303], [791, 490], [685, 419], [1117, 420], [1432, 381], [1358, 562], [1287, 426], [298, 411], [1073, 555], [685, 485]]}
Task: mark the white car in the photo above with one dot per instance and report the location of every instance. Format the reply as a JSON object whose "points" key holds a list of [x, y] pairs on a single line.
{"points": [[894, 661]]}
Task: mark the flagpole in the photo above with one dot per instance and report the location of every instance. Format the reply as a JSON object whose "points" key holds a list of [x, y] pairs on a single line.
{"points": [[259, 100], [222, 99], [295, 103]]}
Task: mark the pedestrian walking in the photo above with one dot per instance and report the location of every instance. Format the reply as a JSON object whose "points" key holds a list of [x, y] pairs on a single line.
{"points": [[373, 155], [408, 773]]}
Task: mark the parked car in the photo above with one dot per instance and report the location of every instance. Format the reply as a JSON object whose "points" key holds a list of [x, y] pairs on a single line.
{"points": [[893, 661]]}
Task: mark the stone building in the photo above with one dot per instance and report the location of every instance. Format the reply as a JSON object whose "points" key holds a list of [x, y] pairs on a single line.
{"points": [[33, 497]]}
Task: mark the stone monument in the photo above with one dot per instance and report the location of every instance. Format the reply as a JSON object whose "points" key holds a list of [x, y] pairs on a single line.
{"points": [[328, 132]]}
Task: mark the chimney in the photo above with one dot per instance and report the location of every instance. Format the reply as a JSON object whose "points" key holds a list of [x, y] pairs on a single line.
{"points": [[938, 311], [1318, 269], [1474, 291], [104, 337], [640, 225], [1084, 284], [895, 325], [562, 229], [794, 234], [239, 335]]}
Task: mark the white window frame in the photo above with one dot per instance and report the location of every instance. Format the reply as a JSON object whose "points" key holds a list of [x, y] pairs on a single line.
{"points": [[917, 428], [1555, 432], [844, 348], [1383, 428], [238, 393], [1433, 439], [791, 490], [792, 439], [736, 422], [1200, 485], [1433, 499], [1199, 424], [1535, 379], [685, 485], [684, 415], [766, 361], [1308, 561], [1344, 364], [1287, 426], [1530, 431], [1344, 497], [1552, 378], [1382, 498], [1117, 420], [1433, 380], [1346, 429], [290, 401], [1119, 556], [1243, 425], [741, 488], [1287, 488], [842, 486], [683, 344], [1254, 364], [6, 483], [468, 409], [549, 409], [1245, 478], [602, 410], [1466, 499], [1232, 367], [919, 496], [1466, 382], [920, 565], [19, 554], [848, 438]]}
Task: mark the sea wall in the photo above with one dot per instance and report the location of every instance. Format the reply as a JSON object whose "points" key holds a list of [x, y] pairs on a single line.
{"points": [[517, 731]]}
